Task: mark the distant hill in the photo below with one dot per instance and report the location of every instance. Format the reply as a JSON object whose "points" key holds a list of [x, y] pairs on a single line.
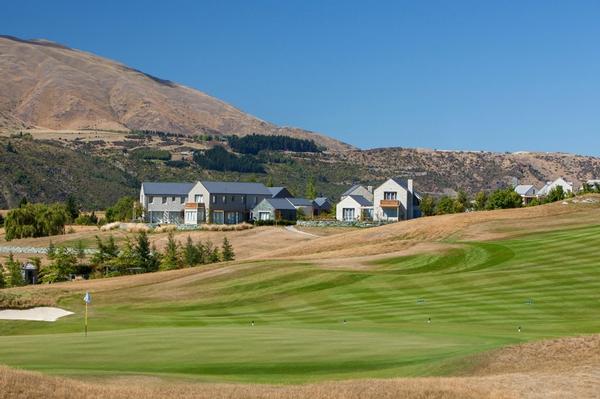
{"points": [[48, 85]]}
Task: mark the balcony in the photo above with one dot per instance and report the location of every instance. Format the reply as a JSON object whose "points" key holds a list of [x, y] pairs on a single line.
{"points": [[389, 203], [194, 205]]}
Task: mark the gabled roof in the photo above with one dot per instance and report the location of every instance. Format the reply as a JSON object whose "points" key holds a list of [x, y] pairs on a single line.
{"points": [[524, 189], [280, 203], [351, 189], [279, 192], [223, 187], [401, 182], [155, 188], [321, 201], [300, 201], [362, 201]]}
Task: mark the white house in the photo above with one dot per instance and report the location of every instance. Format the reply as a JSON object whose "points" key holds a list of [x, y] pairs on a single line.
{"points": [[353, 208], [566, 186], [396, 200], [527, 191]]}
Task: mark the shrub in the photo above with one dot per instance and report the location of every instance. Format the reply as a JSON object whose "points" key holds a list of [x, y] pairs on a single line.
{"points": [[35, 220], [218, 158], [126, 209], [151, 153], [87, 219], [504, 198], [274, 222]]}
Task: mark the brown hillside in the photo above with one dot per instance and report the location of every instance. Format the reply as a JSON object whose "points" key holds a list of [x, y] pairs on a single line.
{"points": [[52, 86]]}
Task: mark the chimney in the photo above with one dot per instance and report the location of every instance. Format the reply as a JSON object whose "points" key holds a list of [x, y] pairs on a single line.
{"points": [[370, 189], [409, 185]]}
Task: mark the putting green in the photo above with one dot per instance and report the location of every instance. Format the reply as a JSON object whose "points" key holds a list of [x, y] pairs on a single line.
{"points": [[476, 295]]}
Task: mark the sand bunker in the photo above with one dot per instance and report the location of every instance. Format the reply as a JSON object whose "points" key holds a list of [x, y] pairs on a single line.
{"points": [[34, 314]]}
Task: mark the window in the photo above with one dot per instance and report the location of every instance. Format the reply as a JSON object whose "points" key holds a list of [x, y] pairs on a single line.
{"points": [[390, 195], [264, 215], [214, 199], [150, 200], [348, 214], [218, 217], [172, 199], [224, 199], [233, 198], [199, 199], [231, 218], [164, 200]]}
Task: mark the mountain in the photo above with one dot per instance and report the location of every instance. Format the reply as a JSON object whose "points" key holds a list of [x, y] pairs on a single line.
{"points": [[47, 85]]}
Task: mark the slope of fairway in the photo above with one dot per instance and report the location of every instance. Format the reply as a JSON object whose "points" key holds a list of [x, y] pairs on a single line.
{"points": [[196, 324]]}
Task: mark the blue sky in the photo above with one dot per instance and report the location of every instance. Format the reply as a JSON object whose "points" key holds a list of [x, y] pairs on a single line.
{"points": [[501, 76]]}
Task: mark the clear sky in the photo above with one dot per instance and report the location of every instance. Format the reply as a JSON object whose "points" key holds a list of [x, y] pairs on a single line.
{"points": [[491, 75]]}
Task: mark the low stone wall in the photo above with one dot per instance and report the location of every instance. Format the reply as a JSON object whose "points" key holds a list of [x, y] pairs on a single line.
{"points": [[337, 223], [39, 250]]}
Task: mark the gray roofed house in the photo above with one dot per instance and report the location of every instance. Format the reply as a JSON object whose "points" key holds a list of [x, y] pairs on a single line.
{"points": [[274, 209], [395, 200], [164, 202], [280, 192], [322, 205], [304, 205]]}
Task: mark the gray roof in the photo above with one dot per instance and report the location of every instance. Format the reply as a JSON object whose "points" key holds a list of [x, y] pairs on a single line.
{"points": [[224, 187], [300, 201], [321, 201], [280, 203], [402, 182], [350, 190], [154, 188], [523, 189], [362, 201], [276, 190]]}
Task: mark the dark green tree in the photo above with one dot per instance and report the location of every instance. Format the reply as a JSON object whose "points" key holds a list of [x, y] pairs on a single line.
{"points": [[504, 198], [190, 254], [480, 201], [444, 206], [61, 268], [2, 279], [72, 208], [427, 205], [15, 275], [227, 253], [147, 259], [170, 259], [311, 191], [556, 194]]}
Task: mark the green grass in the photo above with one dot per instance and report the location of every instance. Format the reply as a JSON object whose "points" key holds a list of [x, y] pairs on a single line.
{"points": [[476, 295]]}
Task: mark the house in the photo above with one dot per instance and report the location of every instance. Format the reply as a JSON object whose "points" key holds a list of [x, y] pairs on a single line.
{"points": [[566, 186], [354, 208], [365, 192], [396, 200], [223, 202], [527, 191], [322, 205], [280, 192], [274, 209], [303, 205], [164, 202]]}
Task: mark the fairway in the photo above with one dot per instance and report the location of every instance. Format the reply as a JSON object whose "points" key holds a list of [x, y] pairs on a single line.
{"points": [[199, 327]]}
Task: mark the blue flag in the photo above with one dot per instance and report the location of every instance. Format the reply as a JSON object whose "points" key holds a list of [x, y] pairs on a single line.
{"points": [[87, 298]]}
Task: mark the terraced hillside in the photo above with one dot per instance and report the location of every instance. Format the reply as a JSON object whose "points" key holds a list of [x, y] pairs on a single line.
{"points": [[424, 314]]}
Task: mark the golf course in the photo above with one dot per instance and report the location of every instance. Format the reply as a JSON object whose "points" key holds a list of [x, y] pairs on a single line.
{"points": [[297, 320]]}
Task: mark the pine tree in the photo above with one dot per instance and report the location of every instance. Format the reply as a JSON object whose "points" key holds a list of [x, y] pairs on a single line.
{"points": [[170, 259], [72, 208], [15, 274], [146, 258], [191, 256], [227, 253], [311, 192]]}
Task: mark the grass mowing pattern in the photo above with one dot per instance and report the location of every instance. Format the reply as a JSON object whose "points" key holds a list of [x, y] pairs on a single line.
{"points": [[476, 295]]}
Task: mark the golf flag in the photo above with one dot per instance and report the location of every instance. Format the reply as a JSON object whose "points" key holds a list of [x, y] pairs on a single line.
{"points": [[87, 298]]}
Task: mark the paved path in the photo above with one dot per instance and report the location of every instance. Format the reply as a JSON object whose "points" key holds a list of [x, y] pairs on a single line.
{"points": [[295, 230], [39, 250]]}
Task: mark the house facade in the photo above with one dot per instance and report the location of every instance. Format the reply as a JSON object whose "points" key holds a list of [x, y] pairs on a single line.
{"points": [[303, 205], [354, 208], [164, 202], [527, 191], [396, 200], [223, 202], [274, 209]]}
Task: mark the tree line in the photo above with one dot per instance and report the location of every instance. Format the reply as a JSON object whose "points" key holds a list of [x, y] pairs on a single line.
{"points": [[502, 198], [134, 256], [218, 158], [254, 143]]}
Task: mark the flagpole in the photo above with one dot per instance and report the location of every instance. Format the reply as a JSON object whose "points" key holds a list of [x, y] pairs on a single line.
{"points": [[86, 314]]}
